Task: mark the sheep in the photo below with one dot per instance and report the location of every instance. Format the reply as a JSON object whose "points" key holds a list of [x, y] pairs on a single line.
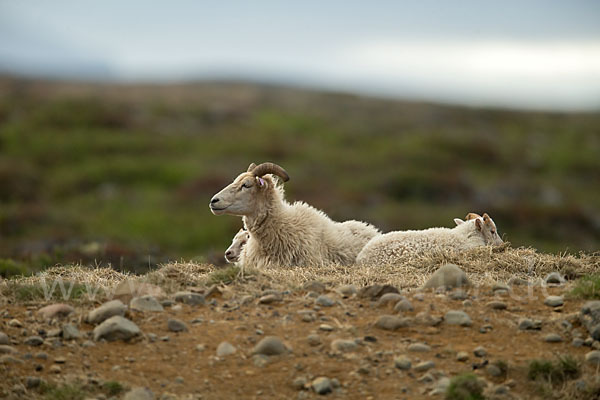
{"points": [[394, 247], [284, 234], [232, 254]]}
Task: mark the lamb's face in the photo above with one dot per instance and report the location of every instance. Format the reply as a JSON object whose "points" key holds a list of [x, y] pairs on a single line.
{"points": [[232, 254], [240, 197], [488, 229]]}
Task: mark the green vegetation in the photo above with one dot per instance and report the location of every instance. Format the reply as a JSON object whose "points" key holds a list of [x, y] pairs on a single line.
{"points": [[112, 388], [465, 387], [587, 287], [223, 275], [123, 175], [555, 372], [63, 392], [56, 290]]}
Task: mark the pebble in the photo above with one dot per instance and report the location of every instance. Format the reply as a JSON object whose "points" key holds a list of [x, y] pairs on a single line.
{"points": [[577, 342], [457, 317], [270, 346], [458, 294], [60, 360], [419, 347], [225, 349], [462, 356], [324, 301], [32, 382], [424, 366], [4, 339], [322, 385], [6, 349], [299, 383], [389, 299], [347, 290], [326, 327], [58, 310], [70, 332], [313, 339], [403, 306], [554, 301], [269, 299], [374, 292], [497, 305], [391, 322], [343, 345], [176, 325], [555, 278], [480, 351], [314, 286], [146, 304], [402, 362], [116, 328], [34, 341], [55, 369], [500, 286], [15, 323], [106, 311], [493, 370], [449, 275], [260, 360], [553, 338], [190, 298], [593, 357]]}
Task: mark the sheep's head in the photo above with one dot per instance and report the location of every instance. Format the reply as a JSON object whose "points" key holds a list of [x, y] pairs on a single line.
{"points": [[485, 225], [245, 193], [232, 254]]}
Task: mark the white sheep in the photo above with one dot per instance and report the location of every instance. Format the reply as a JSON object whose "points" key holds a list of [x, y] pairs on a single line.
{"points": [[233, 252], [395, 247], [284, 234]]}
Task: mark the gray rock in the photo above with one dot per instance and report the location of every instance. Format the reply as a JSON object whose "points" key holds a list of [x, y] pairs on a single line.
{"points": [[322, 385], [418, 347], [424, 366], [70, 332], [374, 292], [480, 351], [343, 345], [403, 306], [299, 383], [389, 299], [462, 356], [116, 328], [493, 370], [525, 324], [324, 301], [448, 275], [458, 294], [4, 339], [32, 382], [516, 281], [553, 338], [554, 278], [426, 378], [269, 298], [457, 317], [145, 303], [314, 286], [139, 393], [347, 290], [577, 342], [15, 323], [391, 322], [176, 325], [593, 357], [225, 349], [313, 339], [500, 286], [589, 317], [402, 362], [326, 327], [9, 359], [6, 349], [105, 311], [496, 305], [554, 301], [58, 310], [270, 346], [34, 341], [193, 299]]}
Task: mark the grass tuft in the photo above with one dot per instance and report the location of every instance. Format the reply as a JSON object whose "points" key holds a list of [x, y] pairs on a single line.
{"points": [[587, 287], [64, 392], [465, 387], [113, 388], [224, 275], [563, 369]]}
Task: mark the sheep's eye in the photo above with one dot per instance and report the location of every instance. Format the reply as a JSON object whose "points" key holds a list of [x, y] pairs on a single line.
{"points": [[245, 186], [493, 232]]}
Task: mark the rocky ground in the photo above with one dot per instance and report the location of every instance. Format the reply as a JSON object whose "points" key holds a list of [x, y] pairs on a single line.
{"points": [[337, 341]]}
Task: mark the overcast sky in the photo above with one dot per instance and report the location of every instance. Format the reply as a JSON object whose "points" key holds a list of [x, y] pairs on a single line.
{"points": [[533, 54]]}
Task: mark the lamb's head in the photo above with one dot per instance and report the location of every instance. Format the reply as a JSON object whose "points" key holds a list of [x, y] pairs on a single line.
{"points": [[243, 196], [485, 226], [232, 254]]}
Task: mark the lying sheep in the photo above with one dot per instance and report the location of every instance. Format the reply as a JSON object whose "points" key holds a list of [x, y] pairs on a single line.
{"points": [[284, 234], [233, 252], [394, 247]]}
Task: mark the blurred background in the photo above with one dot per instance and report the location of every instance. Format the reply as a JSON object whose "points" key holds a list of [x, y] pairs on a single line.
{"points": [[119, 120]]}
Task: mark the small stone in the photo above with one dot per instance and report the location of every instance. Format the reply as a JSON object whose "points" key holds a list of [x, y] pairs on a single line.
{"points": [[34, 341], [516, 281], [347, 290], [299, 383], [554, 301], [424, 366], [326, 327], [391, 322], [577, 342], [457, 317], [593, 357], [225, 349], [56, 311], [458, 294], [448, 275], [260, 360], [70, 332], [554, 278], [60, 360], [525, 324], [8, 359], [500, 286], [15, 323], [497, 305], [190, 298], [130, 288], [313, 340], [6, 349], [139, 393], [553, 338], [321, 385], [374, 292], [480, 351], [145, 304], [116, 328], [462, 356], [419, 347], [32, 382], [269, 299], [314, 286], [389, 299], [105, 311], [55, 369], [403, 306], [88, 343], [270, 346], [493, 370], [4, 339], [324, 301], [343, 346], [402, 362], [176, 325]]}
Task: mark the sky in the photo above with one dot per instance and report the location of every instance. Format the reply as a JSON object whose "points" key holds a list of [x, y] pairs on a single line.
{"points": [[519, 54]]}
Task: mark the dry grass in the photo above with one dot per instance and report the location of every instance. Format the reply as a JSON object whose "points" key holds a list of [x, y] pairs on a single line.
{"points": [[484, 266]]}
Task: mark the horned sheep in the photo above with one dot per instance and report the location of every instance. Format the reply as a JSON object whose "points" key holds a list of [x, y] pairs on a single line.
{"points": [[284, 234], [398, 246]]}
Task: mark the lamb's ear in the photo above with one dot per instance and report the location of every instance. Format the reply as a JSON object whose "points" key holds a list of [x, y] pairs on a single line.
{"points": [[458, 221], [478, 224]]}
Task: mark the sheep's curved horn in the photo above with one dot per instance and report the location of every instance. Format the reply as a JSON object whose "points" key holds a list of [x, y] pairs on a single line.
{"points": [[270, 168], [251, 167]]}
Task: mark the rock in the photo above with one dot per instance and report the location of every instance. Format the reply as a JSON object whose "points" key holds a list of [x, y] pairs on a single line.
{"points": [[324, 301], [270, 346], [500, 286], [458, 294], [480, 351], [32, 382], [4, 339], [493, 370], [374, 292], [129, 288], [41, 355], [15, 323], [9, 359], [448, 275], [55, 369], [105, 311], [58, 310], [525, 324], [403, 306], [299, 383], [146, 303], [326, 327], [139, 393], [425, 318], [516, 281], [347, 290], [322, 385], [440, 386], [190, 298], [389, 299], [391, 322], [418, 347], [34, 341], [589, 316], [424, 366], [593, 357], [343, 346], [314, 286], [70, 332], [462, 356], [116, 328], [554, 301], [60, 360], [313, 339], [260, 360], [577, 342], [496, 305], [457, 317], [426, 378], [554, 278], [176, 325], [225, 349], [269, 299], [402, 362], [6, 349]]}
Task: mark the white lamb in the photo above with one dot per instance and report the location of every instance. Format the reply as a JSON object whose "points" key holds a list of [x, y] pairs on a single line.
{"points": [[233, 252], [284, 234], [395, 247]]}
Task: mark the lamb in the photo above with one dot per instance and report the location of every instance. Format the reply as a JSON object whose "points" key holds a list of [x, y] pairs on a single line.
{"points": [[284, 234], [394, 247], [233, 252]]}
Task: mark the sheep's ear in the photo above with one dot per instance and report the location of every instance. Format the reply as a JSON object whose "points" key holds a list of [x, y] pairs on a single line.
{"points": [[458, 221], [478, 224], [471, 216], [251, 167], [486, 217]]}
